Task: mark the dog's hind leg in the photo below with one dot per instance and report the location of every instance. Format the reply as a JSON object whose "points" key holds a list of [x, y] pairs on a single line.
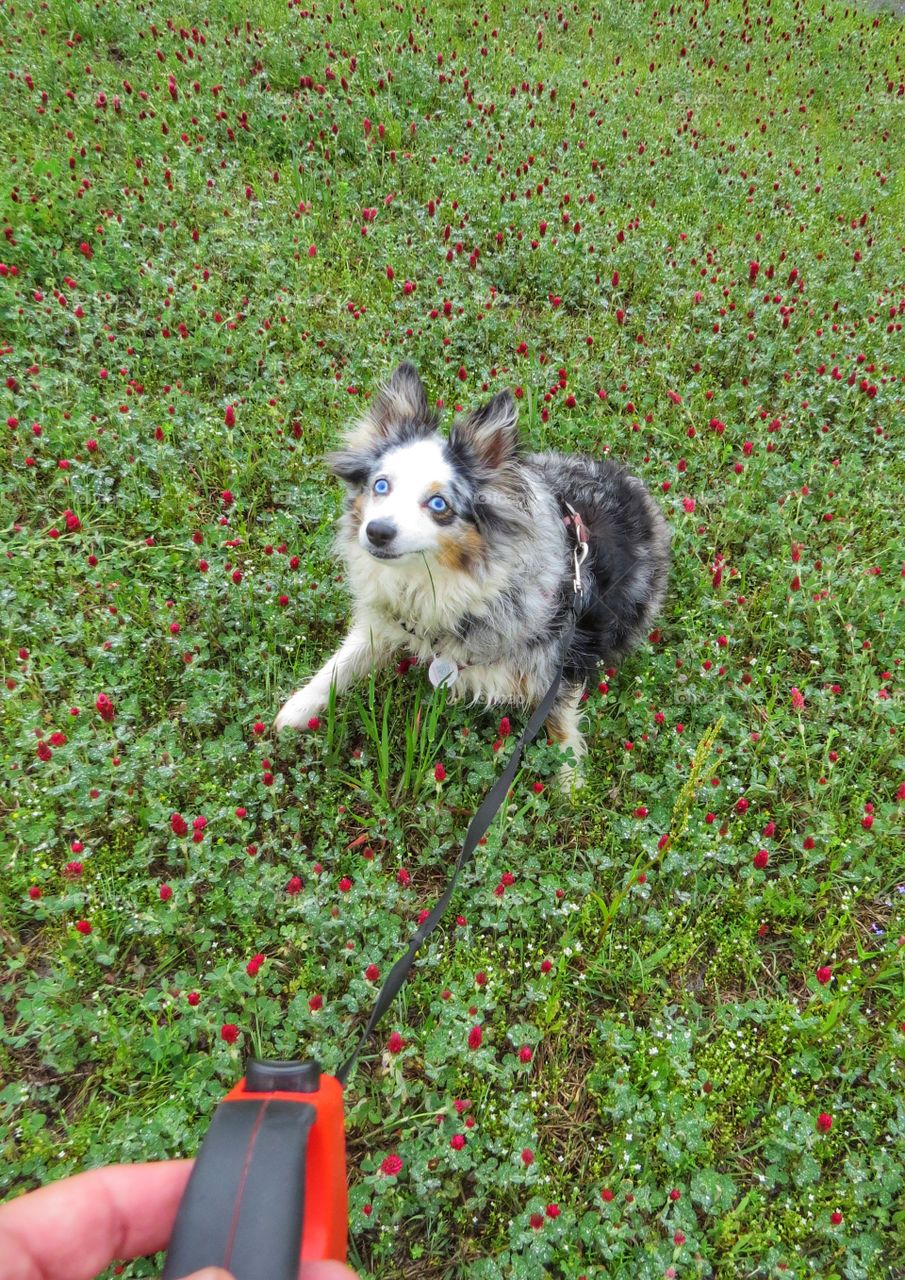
{"points": [[563, 728], [360, 653]]}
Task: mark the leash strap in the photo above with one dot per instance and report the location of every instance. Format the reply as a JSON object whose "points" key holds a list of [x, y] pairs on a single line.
{"points": [[476, 829]]}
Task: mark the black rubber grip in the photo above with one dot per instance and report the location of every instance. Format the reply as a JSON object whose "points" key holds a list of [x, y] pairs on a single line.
{"points": [[244, 1205], [271, 1075]]}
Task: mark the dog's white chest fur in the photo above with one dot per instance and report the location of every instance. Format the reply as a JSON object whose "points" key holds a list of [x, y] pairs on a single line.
{"points": [[432, 613]]}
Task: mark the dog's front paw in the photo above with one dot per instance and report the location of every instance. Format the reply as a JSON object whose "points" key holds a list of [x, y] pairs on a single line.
{"points": [[571, 771], [571, 779], [297, 711]]}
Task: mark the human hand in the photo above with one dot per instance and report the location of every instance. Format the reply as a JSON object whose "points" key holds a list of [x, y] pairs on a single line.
{"points": [[74, 1228]]}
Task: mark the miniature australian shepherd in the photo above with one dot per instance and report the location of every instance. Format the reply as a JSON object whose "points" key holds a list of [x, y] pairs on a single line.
{"points": [[459, 550]]}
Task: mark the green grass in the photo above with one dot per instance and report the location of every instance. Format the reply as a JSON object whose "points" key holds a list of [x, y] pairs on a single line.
{"points": [[681, 1039]]}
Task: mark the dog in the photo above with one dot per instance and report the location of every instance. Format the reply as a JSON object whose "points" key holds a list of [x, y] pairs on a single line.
{"points": [[460, 550]]}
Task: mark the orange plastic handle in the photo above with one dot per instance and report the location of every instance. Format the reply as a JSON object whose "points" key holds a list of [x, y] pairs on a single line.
{"points": [[326, 1224]]}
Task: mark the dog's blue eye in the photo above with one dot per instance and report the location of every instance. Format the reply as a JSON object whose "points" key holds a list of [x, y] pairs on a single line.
{"points": [[438, 504], [381, 486]]}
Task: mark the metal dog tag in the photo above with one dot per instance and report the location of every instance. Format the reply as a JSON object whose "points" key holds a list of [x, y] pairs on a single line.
{"points": [[442, 672]]}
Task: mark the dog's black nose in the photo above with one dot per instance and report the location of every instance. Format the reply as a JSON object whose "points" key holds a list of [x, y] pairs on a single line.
{"points": [[380, 532]]}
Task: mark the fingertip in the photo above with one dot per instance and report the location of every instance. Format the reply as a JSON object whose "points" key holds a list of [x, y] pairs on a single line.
{"points": [[210, 1273]]}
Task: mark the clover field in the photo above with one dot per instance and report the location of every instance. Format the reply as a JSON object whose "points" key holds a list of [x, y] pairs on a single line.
{"points": [[662, 1032]]}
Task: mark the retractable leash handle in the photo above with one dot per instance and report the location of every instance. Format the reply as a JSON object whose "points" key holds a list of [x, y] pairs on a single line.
{"points": [[269, 1184]]}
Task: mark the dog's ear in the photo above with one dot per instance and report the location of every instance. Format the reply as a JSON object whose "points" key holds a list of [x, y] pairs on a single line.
{"points": [[490, 432], [401, 400], [399, 407], [352, 464]]}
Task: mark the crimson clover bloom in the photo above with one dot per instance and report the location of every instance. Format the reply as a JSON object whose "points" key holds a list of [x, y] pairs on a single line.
{"points": [[824, 1122], [475, 1036], [229, 1032], [391, 1165]]}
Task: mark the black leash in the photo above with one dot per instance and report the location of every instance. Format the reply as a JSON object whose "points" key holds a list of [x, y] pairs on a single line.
{"points": [[480, 823]]}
